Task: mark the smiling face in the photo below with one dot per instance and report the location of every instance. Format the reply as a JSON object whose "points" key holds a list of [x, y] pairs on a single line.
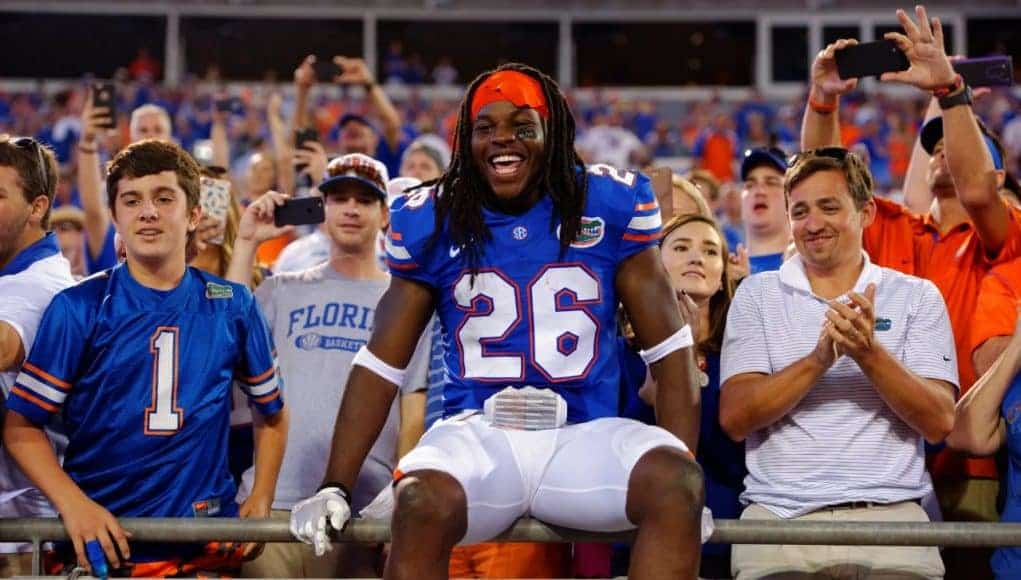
{"points": [[826, 225], [354, 217], [152, 217], [693, 257], [508, 146]]}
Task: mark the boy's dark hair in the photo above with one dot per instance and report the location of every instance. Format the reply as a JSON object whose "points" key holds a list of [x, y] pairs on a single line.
{"points": [[150, 157]]}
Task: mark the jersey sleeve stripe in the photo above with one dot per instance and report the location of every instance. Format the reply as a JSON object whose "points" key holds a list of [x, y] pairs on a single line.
{"points": [[268, 398], [397, 252], [262, 388], [45, 376], [398, 266], [260, 378], [647, 206], [642, 237], [17, 390], [395, 235], [649, 222], [40, 388]]}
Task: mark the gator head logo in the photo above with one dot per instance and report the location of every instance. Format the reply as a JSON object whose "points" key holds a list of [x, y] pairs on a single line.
{"points": [[590, 233]]}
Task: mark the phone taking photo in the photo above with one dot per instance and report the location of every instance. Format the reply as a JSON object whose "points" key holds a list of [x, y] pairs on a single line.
{"points": [[299, 212], [870, 59], [104, 95], [987, 71]]}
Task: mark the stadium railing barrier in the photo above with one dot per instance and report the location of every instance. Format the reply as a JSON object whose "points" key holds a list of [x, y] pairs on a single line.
{"points": [[956, 534]]}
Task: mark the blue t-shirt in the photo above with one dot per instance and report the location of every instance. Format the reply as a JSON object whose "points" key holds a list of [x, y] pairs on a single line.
{"points": [[142, 380], [531, 316], [765, 263], [1006, 562]]}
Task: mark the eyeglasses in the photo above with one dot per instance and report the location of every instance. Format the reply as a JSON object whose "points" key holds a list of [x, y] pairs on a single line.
{"points": [[838, 153], [33, 145]]}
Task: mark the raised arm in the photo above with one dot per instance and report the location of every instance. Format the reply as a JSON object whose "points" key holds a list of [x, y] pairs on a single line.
{"points": [[283, 150], [304, 80], [971, 166], [917, 195], [356, 72], [218, 136], [256, 226], [90, 177], [650, 302], [821, 124]]}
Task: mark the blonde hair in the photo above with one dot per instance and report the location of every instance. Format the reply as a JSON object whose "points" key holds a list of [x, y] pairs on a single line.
{"points": [[148, 109], [694, 194]]}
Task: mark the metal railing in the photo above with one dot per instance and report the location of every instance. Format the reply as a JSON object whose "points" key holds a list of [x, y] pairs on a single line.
{"points": [[955, 534]]}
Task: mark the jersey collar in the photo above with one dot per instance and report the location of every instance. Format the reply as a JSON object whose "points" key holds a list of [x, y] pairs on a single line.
{"points": [[40, 250]]}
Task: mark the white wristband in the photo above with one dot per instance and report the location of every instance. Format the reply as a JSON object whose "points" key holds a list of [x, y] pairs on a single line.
{"points": [[365, 358], [676, 341]]}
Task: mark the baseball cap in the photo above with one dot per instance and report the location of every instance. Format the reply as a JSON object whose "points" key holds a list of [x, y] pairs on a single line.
{"points": [[932, 133], [353, 118], [771, 156], [356, 167], [67, 214]]}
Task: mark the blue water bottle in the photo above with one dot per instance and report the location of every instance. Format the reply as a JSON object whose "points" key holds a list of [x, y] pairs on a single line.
{"points": [[97, 559]]}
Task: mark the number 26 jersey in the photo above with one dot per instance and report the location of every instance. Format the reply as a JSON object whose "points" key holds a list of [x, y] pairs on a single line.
{"points": [[531, 316]]}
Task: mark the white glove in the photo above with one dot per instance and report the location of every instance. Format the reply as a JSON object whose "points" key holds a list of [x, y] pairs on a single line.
{"points": [[309, 518]]}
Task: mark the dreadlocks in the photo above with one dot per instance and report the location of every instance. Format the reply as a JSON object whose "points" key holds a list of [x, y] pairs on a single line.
{"points": [[464, 188]]}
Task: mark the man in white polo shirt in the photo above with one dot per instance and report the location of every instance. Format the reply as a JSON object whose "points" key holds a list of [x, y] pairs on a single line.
{"points": [[835, 370], [31, 272]]}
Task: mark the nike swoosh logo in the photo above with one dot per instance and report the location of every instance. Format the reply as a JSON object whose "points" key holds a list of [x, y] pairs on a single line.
{"points": [[454, 251], [946, 358]]}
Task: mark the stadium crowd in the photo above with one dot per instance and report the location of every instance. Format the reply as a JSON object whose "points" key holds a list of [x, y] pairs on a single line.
{"points": [[816, 321]]}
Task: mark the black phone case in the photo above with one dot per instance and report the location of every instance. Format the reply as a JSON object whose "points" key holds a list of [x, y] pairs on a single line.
{"points": [[299, 212], [105, 96], [988, 71], [870, 59], [303, 135]]}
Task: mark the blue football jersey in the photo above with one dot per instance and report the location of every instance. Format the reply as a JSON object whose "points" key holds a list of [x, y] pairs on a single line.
{"points": [[142, 379], [531, 316]]}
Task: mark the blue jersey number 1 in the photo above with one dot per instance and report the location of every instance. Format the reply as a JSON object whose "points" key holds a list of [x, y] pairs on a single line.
{"points": [[164, 417]]}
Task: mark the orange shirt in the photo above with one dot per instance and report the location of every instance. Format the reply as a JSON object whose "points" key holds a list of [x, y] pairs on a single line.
{"points": [[267, 252], [955, 262], [995, 314], [718, 156]]}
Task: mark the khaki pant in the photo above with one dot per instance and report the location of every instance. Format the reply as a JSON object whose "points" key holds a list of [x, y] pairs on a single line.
{"points": [[15, 564], [790, 562], [297, 560]]}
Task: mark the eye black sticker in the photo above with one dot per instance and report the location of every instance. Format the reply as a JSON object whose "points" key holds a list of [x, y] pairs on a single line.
{"points": [[526, 133]]}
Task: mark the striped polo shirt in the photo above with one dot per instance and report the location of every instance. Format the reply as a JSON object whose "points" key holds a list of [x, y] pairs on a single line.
{"points": [[841, 442]]}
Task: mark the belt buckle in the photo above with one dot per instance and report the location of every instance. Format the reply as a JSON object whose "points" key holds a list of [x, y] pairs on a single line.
{"points": [[526, 408]]}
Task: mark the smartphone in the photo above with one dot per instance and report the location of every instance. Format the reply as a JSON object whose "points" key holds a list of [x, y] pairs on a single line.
{"points": [[214, 197], [227, 104], [326, 70], [870, 59], [988, 71], [300, 211], [303, 135], [104, 95]]}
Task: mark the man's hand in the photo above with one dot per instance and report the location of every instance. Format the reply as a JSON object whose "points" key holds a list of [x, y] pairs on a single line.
{"points": [[312, 518], [312, 155], [825, 79], [93, 121], [355, 71], [923, 45], [85, 521], [852, 326], [305, 74], [257, 222], [256, 506]]}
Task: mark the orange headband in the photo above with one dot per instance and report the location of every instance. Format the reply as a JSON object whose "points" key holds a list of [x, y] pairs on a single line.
{"points": [[510, 85]]}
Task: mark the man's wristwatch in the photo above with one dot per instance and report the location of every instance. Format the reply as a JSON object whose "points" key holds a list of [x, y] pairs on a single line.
{"points": [[954, 94]]}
